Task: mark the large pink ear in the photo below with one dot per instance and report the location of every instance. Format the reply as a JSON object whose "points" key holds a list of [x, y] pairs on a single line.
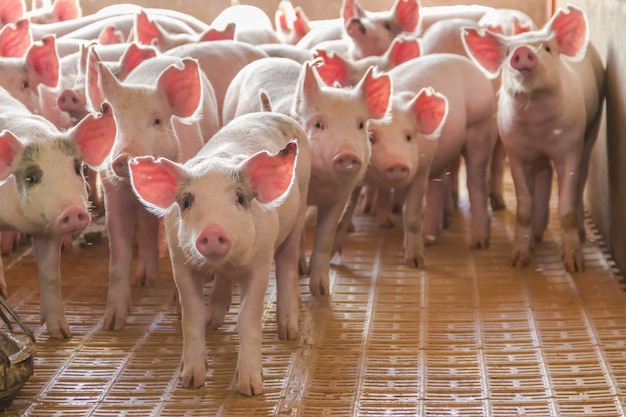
{"points": [[486, 49], [134, 55], [333, 68], [431, 110], [571, 29], [43, 59], [301, 23], [109, 36], [15, 39], [351, 9], [212, 34], [377, 92], [155, 182], [271, 175], [66, 10], [407, 14], [11, 11], [146, 31], [308, 85], [94, 136], [182, 87], [10, 149], [403, 49], [93, 89]]}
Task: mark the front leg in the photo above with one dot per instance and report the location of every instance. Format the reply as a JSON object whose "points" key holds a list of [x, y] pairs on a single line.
{"points": [[346, 221], [569, 175], [48, 257], [121, 219], [319, 264], [522, 173], [250, 327], [190, 284], [412, 218]]}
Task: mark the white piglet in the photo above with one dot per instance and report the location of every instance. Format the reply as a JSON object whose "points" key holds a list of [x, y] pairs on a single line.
{"points": [[335, 121], [43, 192], [228, 211], [549, 111]]}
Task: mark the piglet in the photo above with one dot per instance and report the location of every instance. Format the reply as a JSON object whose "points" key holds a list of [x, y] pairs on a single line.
{"points": [[35, 159], [231, 209], [550, 107], [165, 107], [335, 121]]}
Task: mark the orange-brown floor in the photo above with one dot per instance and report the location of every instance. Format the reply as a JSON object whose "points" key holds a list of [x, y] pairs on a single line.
{"points": [[467, 336]]}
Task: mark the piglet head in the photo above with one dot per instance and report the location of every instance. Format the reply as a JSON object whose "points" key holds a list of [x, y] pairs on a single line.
{"points": [[530, 61]]}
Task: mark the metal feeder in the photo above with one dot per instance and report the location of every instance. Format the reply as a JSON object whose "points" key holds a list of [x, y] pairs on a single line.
{"points": [[16, 356]]}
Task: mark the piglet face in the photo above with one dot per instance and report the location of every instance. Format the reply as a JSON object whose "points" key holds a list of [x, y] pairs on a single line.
{"points": [[398, 144]]}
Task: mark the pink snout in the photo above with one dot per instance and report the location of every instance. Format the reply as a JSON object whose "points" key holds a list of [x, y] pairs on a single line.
{"points": [[73, 219], [70, 101], [347, 163], [120, 166], [524, 59], [213, 242], [397, 172]]}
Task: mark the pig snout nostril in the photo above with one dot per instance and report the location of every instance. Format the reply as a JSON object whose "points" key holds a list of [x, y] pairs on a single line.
{"points": [[398, 172], [73, 219], [213, 242], [347, 163]]}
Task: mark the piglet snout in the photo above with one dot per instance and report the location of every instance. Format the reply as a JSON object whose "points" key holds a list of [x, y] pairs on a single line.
{"points": [[524, 59], [347, 163], [213, 242], [69, 101], [397, 172], [73, 219], [120, 166]]}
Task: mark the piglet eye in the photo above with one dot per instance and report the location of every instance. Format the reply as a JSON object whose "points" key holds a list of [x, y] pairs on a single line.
{"points": [[240, 199], [319, 125], [361, 125], [78, 167], [408, 138], [32, 176], [25, 84], [387, 26], [186, 201], [157, 121], [371, 138], [547, 48]]}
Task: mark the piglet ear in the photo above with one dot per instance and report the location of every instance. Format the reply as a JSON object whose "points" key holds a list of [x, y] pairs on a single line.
{"points": [[94, 136], [10, 149], [407, 14], [301, 23], [42, 58], [134, 55], [403, 49], [351, 10], [377, 92], [182, 87], [109, 36], [431, 110], [155, 182], [264, 99], [212, 34], [571, 29], [93, 87], [332, 68], [63, 10], [486, 49], [145, 30], [271, 175], [11, 11], [15, 39]]}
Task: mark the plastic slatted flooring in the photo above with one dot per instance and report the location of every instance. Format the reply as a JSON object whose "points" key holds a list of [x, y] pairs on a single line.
{"points": [[467, 336]]}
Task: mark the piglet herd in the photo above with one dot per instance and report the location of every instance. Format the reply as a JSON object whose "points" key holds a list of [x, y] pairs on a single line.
{"points": [[225, 133]]}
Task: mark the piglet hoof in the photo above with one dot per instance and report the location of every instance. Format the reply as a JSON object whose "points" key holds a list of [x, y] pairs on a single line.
{"points": [[115, 317], [215, 316], [520, 258], [414, 261], [573, 260], [193, 377], [319, 286], [480, 244], [250, 384], [59, 330], [289, 330], [497, 201]]}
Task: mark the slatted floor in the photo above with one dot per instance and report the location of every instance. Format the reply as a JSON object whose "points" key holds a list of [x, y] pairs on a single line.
{"points": [[467, 336]]}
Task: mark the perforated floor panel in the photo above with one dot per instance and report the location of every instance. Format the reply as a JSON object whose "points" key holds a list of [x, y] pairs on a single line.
{"points": [[466, 336]]}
